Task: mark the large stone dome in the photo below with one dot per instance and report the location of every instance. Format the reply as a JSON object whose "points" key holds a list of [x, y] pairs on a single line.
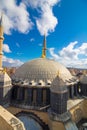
{"points": [[42, 69]]}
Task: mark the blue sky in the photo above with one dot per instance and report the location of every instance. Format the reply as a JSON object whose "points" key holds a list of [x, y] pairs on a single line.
{"points": [[63, 21]]}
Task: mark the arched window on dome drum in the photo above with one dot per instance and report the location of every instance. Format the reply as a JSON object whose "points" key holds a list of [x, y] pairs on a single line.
{"points": [[83, 89], [34, 96], [26, 95], [20, 94], [48, 83], [30, 83], [39, 83], [44, 96], [30, 95], [75, 89], [71, 91], [14, 93], [39, 96], [48, 96], [79, 89]]}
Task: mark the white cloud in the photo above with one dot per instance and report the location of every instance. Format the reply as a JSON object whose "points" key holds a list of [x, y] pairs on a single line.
{"points": [[71, 56], [6, 48], [46, 22], [55, 56], [83, 49], [38, 3], [15, 16], [69, 51], [32, 40], [11, 62]]}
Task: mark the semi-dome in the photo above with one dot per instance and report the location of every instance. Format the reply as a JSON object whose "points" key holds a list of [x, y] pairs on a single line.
{"points": [[42, 69]]}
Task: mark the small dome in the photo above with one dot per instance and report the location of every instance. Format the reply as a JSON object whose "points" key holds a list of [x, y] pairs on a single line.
{"points": [[83, 79], [42, 69], [58, 86]]}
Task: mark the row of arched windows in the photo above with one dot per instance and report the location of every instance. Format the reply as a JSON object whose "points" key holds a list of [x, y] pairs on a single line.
{"points": [[31, 96], [77, 90]]}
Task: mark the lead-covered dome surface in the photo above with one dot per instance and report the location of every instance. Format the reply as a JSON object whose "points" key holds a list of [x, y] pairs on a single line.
{"points": [[42, 69]]}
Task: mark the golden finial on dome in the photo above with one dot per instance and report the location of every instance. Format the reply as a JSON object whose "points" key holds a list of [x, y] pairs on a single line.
{"points": [[44, 48], [58, 74]]}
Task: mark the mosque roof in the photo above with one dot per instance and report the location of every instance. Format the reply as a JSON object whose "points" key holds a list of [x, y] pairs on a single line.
{"points": [[42, 69]]}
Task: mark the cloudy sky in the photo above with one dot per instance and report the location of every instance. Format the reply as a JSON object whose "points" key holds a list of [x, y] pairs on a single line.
{"points": [[63, 21]]}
